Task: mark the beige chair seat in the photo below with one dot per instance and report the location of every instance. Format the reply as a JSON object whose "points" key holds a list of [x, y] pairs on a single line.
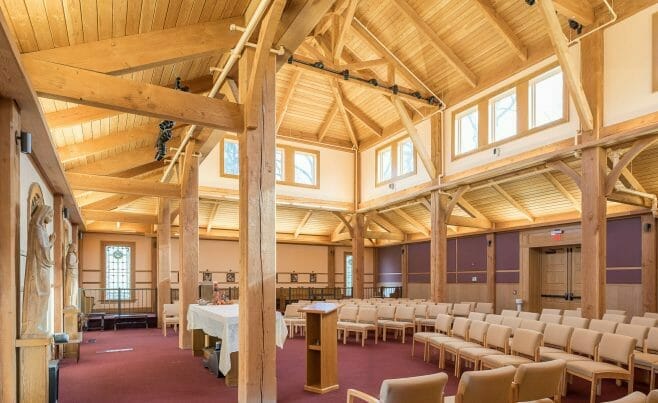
{"points": [[546, 350], [440, 340], [589, 368], [645, 359], [564, 356], [425, 336], [451, 399], [458, 345], [497, 361], [635, 397], [475, 353]]}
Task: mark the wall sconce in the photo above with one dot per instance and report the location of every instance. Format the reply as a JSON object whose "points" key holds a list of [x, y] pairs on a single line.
{"points": [[65, 212], [25, 141]]}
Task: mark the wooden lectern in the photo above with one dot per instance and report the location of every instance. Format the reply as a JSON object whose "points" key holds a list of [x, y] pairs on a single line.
{"points": [[321, 347]]}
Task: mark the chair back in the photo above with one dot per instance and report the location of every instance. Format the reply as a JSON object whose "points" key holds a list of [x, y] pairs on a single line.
{"points": [[478, 331], [509, 312], [367, 315], [558, 335], [443, 323], [603, 326], [461, 309], [170, 309], [404, 313], [460, 328], [572, 313], [445, 307], [529, 315], [616, 348], [386, 312], [575, 321], [498, 337], [484, 307], [512, 322], [494, 319], [477, 316], [643, 321], [585, 342], [433, 310], [652, 397], [417, 389], [638, 332], [292, 311], [535, 325], [420, 311], [651, 343], [549, 311], [538, 380], [526, 343], [550, 318], [491, 386], [348, 313], [615, 311], [613, 317], [651, 315]]}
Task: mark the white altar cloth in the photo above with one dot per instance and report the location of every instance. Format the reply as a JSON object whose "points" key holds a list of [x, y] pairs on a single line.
{"points": [[222, 321]]}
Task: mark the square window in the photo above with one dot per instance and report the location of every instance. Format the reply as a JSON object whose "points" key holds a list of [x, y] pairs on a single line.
{"points": [[305, 168], [466, 129], [546, 94], [231, 157], [502, 116]]}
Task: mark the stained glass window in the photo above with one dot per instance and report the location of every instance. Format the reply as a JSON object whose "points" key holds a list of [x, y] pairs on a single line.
{"points": [[348, 274], [231, 157], [118, 272]]}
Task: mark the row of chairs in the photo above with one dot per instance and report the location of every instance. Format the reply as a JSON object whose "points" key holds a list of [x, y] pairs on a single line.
{"points": [[589, 354]]}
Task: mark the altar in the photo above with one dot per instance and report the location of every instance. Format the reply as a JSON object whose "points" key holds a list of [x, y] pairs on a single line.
{"points": [[221, 321]]}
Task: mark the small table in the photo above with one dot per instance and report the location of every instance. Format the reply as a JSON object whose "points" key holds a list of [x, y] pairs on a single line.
{"points": [[92, 316], [61, 350]]}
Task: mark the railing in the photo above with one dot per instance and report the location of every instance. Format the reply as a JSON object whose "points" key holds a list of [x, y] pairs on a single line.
{"points": [[119, 301], [382, 292], [173, 295]]}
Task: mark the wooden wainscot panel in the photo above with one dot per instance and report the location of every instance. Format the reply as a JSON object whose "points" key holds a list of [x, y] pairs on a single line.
{"points": [[627, 297]]}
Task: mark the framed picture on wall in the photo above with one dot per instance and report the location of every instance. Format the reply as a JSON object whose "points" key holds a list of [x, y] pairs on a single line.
{"points": [[230, 277], [294, 278], [207, 276], [174, 277], [313, 278]]}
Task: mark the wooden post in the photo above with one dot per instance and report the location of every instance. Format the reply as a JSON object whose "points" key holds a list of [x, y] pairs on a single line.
{"points": [[593, 254], [58, 267], [404, 255], [164, 256], [438, 246], [358, 255], [331, 266], [375, 267], [257, 361], [188, 242], [491, 270], [10, 125], [648, 263]]}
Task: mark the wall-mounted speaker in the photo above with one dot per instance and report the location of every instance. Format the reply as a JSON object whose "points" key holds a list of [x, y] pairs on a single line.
{"points": [[65, 212], [25, 139], [646, 227]]}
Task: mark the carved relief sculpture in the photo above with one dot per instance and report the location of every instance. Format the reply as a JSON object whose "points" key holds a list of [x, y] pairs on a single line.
{"points": [[39, 263], [71, 285]]}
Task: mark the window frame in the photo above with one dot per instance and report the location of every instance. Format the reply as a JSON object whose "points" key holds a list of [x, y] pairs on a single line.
{"points": [[351, 287], [395, 146], [457, 119], [133, 256], [492, 118], [222, 172], [531, 99], [522, 111]]}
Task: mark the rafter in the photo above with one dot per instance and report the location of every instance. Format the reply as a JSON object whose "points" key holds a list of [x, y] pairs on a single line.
{"points": [[578, 10], [455, 197], [500, 25], [513, 202], [109, 184], [115, 164], [373, 126], [383, 222], [327, 121], [95, 89], [571, 75], [366, 64], [628, 179], [475, 213], [567, 170], [558, 186], [419, 146], [211, 217], [637, 147], [344, 221], [281, 114], [344, 29], [338, 95], [302, 223], [119, 216], [437, 43], [415, 223]]}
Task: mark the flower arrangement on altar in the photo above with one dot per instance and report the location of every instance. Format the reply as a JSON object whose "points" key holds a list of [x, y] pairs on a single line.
{"points": [[219, 295]]}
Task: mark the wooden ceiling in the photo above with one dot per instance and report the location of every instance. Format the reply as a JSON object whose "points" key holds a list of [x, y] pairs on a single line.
{"points": [[448, 48]]}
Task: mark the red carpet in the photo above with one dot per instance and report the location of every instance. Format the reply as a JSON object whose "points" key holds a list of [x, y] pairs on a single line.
{"points": [[157, 371]]}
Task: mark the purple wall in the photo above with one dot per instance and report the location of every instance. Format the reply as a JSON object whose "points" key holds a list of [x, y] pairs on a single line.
{"points": [[624, 243], [507, 251], [419, 262], [472, 253], [452, 255], [389, 263]]}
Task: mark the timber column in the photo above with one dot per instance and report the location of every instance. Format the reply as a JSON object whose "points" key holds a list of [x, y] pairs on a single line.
{"points": [[257, 349], [188, 242], [58, 258], [164, 256], [10, 126], [358, 255], [438, 246]]}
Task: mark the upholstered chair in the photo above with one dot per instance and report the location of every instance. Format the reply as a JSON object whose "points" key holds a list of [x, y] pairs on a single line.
{"points": [[366, 321], [418, 389], [385, 313], [346, 316], [484, 307], [494, 319], [638, 332], [549, 311], [614, 317], [524, 349], [461, 309], [512, 322], [538, 380], [459, 332], [603, 326], [556, 339], [529, 315], [442, 326], [648, 359], [404, 319], [535, 325], [550, 318], [575, 321], [583, 346], [170, 312], [509, 312], [497, 342], [643, 321], [476, 338], [492, 386], [574, 313], [635, 397]]}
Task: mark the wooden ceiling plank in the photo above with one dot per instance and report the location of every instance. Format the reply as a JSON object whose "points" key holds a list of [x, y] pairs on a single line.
{"points": [[212, 216], [287, 97], [383, 222], [437, 43], [119, 216], [561, 46], [327, 121], [131, 53], [366, 64], [370, 123], [513, 202], [500, 25], [567, 170], [302, 223], [578, 10], [408, 124], [338, 95], [560, 188], [468, 207], [109, 184], [415, 223], [95, 89]]}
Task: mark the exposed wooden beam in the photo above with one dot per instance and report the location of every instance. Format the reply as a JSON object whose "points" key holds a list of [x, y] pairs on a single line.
{"points": [[126, 54], [283, 108], [370, 123], [637, 147], [111, 202], [411, 220], [578, 10], [383, 222], [567, 170], [343, 220], [366, 64], [117, 163], [211, 217], [419, 146], [558, 186], [466, 206], [500, 25], [89, 88], [455, 199], [629, 199], [338, 95], [109, 184], [471, 222], [561, 46], [327, 121], [303, 222], [344, 29], [513, 202], [437, 43], [119, 216]]}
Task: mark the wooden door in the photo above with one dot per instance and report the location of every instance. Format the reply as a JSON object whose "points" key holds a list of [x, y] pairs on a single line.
{"points": [[576, 278], [554, 277]]}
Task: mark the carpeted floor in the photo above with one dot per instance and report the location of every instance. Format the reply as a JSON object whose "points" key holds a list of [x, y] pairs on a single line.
{"points": [[155, 370]]}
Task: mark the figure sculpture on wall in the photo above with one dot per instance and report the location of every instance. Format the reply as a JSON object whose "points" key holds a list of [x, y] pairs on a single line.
{"points": [[71, 285], [36, 294]]}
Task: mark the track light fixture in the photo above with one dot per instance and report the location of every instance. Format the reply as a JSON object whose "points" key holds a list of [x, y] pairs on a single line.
{"points": [[166, 127], [25, 141], [576, 26], [530, 2]]}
